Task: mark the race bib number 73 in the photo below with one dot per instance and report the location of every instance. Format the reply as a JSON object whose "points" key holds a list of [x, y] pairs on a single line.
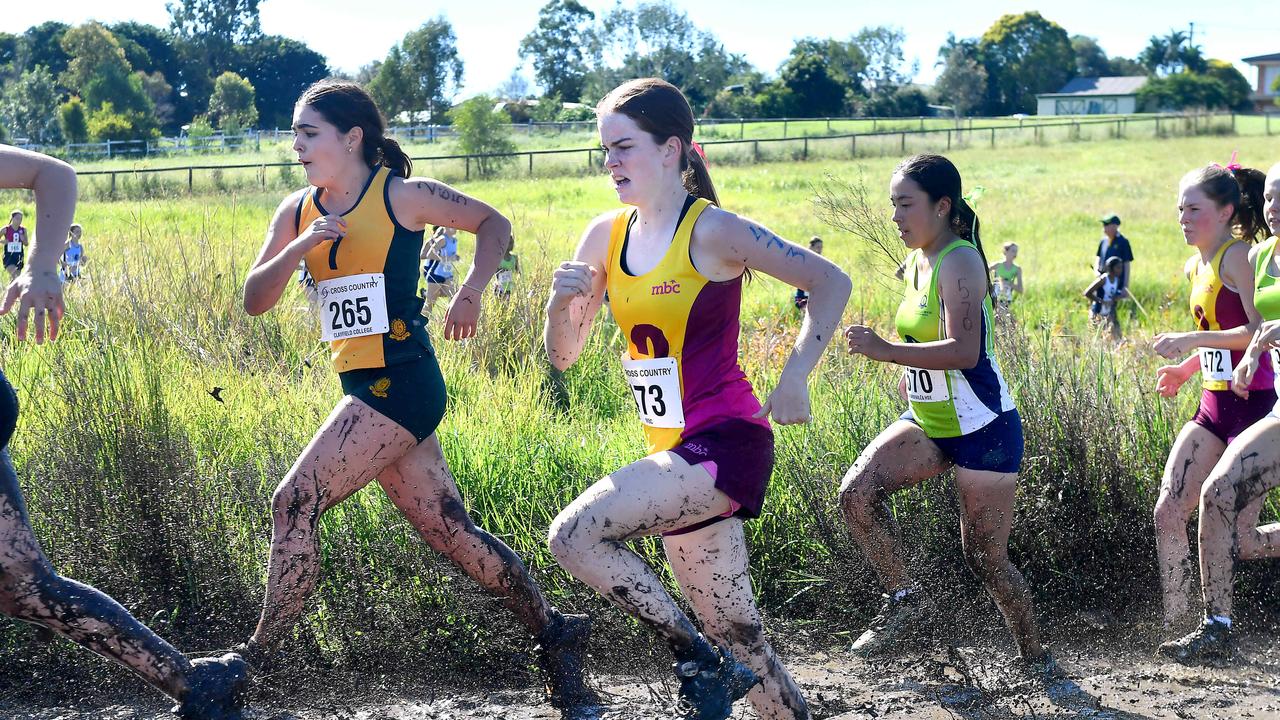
{"points": [[655, 386], [353, 306]]}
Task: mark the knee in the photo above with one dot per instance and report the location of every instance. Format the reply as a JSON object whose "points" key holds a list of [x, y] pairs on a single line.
{"points": [[860, 489], [26, 587], [1218, 495], [568, 539], [296, 505], [1169, 516]]}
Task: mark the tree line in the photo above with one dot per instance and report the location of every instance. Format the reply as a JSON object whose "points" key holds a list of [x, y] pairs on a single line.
{"points": [[213, 68]]}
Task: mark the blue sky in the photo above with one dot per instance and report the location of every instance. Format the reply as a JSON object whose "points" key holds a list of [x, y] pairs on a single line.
{"points": [[489, 31]]}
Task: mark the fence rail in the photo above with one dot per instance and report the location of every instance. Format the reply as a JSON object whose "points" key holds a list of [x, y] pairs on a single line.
{"points": [[880, 141]]}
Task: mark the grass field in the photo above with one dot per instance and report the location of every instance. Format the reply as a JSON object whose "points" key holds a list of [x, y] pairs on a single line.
{"points": [[139, 481]]}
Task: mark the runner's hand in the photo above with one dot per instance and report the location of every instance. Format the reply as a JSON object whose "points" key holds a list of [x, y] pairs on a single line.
{"points": [[1243, 375], [1169, 379], [1172, 345], [39, 298], [463, 314], [329, 227], [862, 340], [570, 281], [788, 403]]}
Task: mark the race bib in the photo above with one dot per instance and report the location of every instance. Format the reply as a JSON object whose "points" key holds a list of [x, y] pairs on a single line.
{"points": [[353, 306], [927, 386], [13, 247], [655, 386], [1215, 364]]}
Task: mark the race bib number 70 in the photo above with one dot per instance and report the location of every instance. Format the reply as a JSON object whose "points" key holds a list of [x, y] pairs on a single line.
{"points": [[655, 386], [353, 306]]}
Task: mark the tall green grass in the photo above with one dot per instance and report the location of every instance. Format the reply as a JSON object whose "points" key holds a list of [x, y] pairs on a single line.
{"points": [[139, 481]]}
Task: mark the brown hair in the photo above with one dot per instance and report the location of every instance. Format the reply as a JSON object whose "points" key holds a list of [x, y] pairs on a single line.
{"points": [[939, 178], [347, 105], [1241, 188], [661, 110]]}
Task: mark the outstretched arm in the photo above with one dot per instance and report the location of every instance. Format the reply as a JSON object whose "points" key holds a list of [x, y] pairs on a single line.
{"points": [[577, 291], [37, 291]]}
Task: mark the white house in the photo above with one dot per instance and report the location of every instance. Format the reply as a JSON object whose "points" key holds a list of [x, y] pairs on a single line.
{"points": [[1263, 95], [1093, 96]]}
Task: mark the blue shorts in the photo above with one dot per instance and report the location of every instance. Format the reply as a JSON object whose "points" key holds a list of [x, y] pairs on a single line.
{"points": [[994, 447]]}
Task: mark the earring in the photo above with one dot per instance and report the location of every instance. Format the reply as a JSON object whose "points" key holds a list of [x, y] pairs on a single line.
{"points": [[348, 148]]}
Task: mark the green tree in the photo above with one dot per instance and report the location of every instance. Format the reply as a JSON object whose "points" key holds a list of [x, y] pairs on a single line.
{"points": [[812, 90], [886, 68], [10, 50], [74, 120], [95, 54], [148, 48], [279, 69], [1091, 59], [216, 27], [99, 72], [559, 47], [428, 60], [1236, 86], [391, 87], [1184, 91], [160, 93], [231, 107], [107, 124], [962, 83], [29, 107], [1172, 53], [1024, 54], [42, 45], [482, 131], [1125, 67]]}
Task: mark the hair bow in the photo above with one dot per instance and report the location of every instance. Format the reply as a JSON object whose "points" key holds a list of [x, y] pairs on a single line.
{"points": [[1233, 165], [698, 149]]}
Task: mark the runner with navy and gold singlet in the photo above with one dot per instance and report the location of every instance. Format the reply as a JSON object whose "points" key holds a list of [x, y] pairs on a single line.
{"points": [[1236, 484], [359, 228], [1213, 211], [960, 415], [672, 264]]}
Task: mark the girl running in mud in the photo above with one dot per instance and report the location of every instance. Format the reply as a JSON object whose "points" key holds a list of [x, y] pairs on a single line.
{"points": [[1237, 485], [1220, 212], [960, 414], [672, 264], [30, 589], [359, 229]]}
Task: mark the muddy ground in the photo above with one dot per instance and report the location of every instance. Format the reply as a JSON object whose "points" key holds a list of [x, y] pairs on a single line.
{"points": [[1114, 671]]}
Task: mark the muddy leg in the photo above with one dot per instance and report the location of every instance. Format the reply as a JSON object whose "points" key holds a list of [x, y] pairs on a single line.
{"points": [[900, 456], [31, 591], [711, 566], [1247, 471], [986, 501], [654, 495], [1194, 453], [353, 445], [422, 487]]}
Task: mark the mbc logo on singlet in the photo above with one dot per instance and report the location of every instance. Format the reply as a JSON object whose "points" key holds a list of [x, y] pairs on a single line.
{"points": [[668, 287]]}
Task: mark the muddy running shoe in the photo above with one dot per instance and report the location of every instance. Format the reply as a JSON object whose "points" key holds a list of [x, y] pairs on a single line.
{"points": [[1209, 643], [708, 689], [900, 620], [562, 654], [1058, 686], [215, 689]]}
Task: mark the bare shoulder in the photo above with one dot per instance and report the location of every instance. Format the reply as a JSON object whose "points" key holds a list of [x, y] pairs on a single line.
{"points": [[963, 262], [287, 210], [594, 244]]}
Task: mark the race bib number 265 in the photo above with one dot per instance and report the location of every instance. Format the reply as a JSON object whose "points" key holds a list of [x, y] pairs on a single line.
{"points": [[353, 306]]}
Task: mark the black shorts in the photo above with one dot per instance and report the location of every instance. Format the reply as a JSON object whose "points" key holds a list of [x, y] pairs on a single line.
{"points": [[742, 453], [13, 260], [410, 394], [8, 410]]}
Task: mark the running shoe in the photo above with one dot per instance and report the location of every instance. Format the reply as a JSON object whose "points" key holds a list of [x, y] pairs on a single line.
{"points": [[1058, 686], [562, 654], [215, 689], [708, 689], [899, 620], [1211, 642]]}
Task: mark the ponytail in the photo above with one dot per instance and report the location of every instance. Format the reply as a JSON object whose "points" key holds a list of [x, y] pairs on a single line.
{"points": [[392, 156], [696, 177], [964, 223], [1250, 219]]}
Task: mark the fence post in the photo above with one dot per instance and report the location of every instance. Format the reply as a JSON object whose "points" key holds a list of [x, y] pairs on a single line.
{"points": [[948, 139], [589, 156], [530, 164], [922, 123], [828, 124], [903, 145], [1233, 122], [993, 137], [190, 179], [805, 155], [113, 183], [873, 124], [468, 160], [742, 128], [853, 146], [113, 177], [784, 127], [755, 151], [262, 175]]}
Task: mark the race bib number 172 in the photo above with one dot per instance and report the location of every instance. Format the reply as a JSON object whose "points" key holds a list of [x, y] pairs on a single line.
{"points": [[353, 306], [655, 386]]}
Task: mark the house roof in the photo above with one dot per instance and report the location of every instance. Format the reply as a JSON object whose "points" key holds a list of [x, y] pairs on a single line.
{"points": [[1124, 85], [1273, 57]]}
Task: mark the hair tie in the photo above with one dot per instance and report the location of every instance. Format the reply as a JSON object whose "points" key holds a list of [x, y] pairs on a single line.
{"points": [[695, 147], [1233, 165]]}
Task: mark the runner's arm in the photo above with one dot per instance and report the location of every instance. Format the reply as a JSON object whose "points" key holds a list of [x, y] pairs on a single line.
{"points": [[577, 291], [280, 255], [37, 290]]}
